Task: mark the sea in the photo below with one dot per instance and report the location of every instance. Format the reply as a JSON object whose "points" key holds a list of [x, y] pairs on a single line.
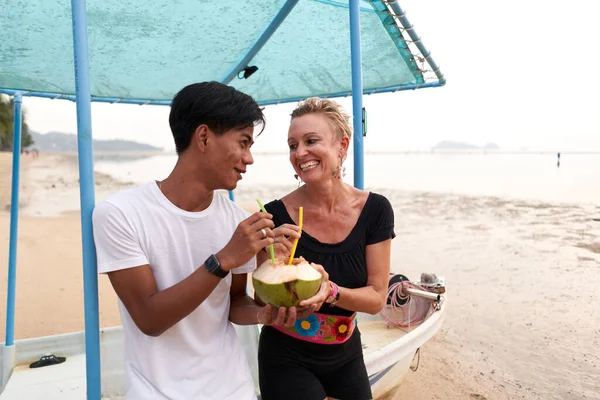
{"points": [[528, 176]]}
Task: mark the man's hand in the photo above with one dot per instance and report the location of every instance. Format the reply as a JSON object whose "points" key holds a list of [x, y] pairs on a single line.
{"points": [[271, 315], [250, 236]]}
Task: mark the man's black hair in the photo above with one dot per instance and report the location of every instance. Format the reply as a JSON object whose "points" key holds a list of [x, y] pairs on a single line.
{"points": [[219, 106]]}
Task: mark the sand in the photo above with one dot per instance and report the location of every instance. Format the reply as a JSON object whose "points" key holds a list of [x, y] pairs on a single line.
{"points": [[522, 279], [49, 296]]}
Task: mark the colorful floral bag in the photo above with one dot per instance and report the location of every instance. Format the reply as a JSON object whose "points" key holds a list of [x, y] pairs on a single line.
{"points": [[322, 328]]}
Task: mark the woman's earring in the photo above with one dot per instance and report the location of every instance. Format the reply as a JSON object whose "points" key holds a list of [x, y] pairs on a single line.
{"points": [[298, 179], [340, 170]]}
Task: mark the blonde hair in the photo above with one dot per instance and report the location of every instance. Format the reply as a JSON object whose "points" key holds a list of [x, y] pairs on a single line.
{"points": [[338, 119]]}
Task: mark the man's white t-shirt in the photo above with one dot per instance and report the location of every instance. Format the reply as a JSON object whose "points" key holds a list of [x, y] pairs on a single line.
{"points": [[200, 357]]}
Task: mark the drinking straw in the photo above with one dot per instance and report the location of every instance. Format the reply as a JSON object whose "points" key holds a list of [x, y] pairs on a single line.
{"points": [[296, 240], [271, 250]]}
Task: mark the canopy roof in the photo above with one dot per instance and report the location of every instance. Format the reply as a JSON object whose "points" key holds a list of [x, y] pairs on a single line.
{"points": [[144, 51]]}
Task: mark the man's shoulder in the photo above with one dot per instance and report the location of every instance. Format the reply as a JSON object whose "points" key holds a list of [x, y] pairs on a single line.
{"points": [[124, 200], [231, 207]]}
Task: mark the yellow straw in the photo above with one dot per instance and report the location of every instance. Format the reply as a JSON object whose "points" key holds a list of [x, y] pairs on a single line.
{"points": [[271, 250], [296, 240]]}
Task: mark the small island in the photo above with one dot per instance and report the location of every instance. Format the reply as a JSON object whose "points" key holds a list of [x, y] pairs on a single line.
{"points": [[58, 142]]}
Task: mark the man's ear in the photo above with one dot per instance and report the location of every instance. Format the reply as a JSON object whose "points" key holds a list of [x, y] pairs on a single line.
{"points": [[201, 137]]}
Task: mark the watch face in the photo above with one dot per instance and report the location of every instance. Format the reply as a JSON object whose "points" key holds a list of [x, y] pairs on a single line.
{"points": [[212, 262], [214, 267]]}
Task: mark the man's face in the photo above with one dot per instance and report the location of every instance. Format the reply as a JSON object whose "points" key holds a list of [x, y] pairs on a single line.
{"points": [[229, 155]]}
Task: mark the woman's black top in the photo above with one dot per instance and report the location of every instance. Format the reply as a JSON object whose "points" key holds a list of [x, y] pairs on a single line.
{"points": [[345, 262]]}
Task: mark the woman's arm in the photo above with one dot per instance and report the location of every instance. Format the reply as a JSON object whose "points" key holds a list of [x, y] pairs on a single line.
{"points": [[371, 298]]}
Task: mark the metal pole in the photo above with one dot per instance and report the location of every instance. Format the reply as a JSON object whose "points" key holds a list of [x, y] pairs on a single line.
{"points": [[8, 351], [86, 190], [401, 15], [14, 224], [422, 293], [260, 42], [357, 90]]}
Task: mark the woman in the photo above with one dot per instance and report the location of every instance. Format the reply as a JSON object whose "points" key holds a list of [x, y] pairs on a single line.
{"points": [[347, 231]]}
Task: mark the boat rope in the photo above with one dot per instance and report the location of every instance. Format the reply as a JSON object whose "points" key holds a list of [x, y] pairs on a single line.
{"points": [[404, 310]]}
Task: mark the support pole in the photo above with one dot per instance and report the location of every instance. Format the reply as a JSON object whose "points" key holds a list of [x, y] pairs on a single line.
{"points": [[287, 7], [14, 223], [357, 90], [8, 352], [86, 195], [401, 15]]}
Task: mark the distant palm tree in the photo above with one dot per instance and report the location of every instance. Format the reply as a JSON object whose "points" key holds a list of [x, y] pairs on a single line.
{"points": [[6, 126]]}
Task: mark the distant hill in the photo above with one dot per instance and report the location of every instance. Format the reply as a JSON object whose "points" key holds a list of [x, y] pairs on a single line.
{"points": [[66, 142], [450, 145]]}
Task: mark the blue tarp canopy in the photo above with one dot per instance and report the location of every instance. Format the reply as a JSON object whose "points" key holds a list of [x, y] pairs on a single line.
{"points": [[146, 50]]}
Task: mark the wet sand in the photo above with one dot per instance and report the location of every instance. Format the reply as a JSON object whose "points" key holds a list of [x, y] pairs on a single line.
{"points": [[523, 320], [522, 278]]}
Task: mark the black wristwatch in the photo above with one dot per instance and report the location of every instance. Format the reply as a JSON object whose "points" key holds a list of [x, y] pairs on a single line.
{"points": [[214, 266]]}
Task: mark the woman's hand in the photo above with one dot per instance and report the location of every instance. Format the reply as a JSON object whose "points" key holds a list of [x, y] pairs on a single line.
{"points": [[314, 303], [284, 237]]}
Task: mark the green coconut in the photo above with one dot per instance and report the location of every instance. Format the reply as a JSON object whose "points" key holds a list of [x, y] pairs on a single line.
{"points": [[286, 285]]}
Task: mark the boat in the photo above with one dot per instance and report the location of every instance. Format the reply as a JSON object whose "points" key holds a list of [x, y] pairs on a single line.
{"points": [[389, 353], [276, 56]]}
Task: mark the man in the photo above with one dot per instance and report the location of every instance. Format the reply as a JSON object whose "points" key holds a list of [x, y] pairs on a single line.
{"points": [[177, 255]]}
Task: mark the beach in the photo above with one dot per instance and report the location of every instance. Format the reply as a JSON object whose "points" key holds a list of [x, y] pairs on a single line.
{"points": [[49, 296], [522, 279]]}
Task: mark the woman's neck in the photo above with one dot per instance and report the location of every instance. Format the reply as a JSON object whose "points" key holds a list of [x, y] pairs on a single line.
{"points": [[326, 195]]}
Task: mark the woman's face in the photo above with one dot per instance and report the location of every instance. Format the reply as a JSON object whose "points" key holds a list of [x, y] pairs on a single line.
{"points": [[314, 150]]}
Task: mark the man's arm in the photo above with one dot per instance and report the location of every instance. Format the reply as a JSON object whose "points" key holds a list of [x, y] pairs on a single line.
{"points": [[155, 311], [244, 310]]}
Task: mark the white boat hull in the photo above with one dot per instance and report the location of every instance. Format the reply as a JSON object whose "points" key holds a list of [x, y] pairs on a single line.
{"points": [[387, 363]]}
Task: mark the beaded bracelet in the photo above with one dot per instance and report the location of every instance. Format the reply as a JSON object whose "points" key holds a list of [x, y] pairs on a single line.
{"points": [[335, 294]]}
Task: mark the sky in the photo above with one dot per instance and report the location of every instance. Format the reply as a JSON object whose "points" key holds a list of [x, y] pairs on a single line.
{"points": [[521, 74]]}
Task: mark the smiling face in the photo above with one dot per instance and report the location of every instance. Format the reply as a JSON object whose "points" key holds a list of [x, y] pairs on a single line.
{"points": [[315, 151], [226, 156]]}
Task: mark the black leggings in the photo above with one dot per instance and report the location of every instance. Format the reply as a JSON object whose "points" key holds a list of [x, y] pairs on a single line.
{"points": [[291, 369]]}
